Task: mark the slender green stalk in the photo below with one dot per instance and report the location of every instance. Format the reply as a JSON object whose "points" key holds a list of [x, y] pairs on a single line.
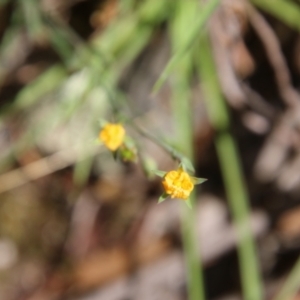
{"points": [[232, 173], [183, 128], [291, 285], [196, 289], [192, 253], [32, 18], [238, 200], [191, 36], [182, 36]]}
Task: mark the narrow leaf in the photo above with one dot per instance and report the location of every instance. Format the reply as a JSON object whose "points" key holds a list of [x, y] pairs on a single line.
{"points": [[204, 14], [102, 122], [188, 203], [187, 164], [163, 197], [97, 142], [286, 11], [148, 164], [115, 154], [198, 180], [159, 173]]}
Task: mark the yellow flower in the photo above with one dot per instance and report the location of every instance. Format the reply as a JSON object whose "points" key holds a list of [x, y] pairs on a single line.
{"points": [[112, 135], [178, 184]]}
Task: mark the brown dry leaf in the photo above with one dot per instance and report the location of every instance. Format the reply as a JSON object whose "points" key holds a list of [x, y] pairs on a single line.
{"points": [[289, 224], [27, 73], [100, 267], [150, 252], [243, 62], [297, 297], [29, 156], [105, 265], [105, 13]]}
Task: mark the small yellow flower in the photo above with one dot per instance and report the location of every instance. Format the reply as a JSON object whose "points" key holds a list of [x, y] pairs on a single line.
{"points": [[112, 135], [178, 184]]}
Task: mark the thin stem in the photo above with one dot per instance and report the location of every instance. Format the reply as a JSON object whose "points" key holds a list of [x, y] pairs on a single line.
{"points": [[181, 111], [238, 201], [184, 135], [196, 289], [192, 33], [159, 142], [232, 173]]}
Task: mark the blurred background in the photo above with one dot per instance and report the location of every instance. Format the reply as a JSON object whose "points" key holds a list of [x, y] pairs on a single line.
{"points": [[77, 224]]}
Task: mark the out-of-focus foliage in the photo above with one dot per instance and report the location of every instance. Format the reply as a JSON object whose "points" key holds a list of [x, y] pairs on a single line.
{"points": [[163, 69]]}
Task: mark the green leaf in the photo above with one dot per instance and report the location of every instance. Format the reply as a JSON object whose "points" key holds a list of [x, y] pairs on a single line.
{"points": [[115, 154], [204, 13], [286, 11], [188, 202], [154, 12], [128, 154], [129, 142], [45, 83], [82, 170], [97, 142], [187, 164], [163, 197], [198, 180], [159, 173], [148, 164], [102, 122]]}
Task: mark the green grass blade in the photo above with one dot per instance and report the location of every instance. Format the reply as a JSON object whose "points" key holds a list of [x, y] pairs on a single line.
{"points": [[33, 20], [285, 10], [162, 198], [182, 116], [232, 173], [204, 15], [82, 171], [45, 83], [191, 252]]}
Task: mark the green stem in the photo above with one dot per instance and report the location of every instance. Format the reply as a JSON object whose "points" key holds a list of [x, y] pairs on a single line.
{"points": [[195, 280], [181, 106], [238, 201], [192, 35], [158, 141], [232, 174]]}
